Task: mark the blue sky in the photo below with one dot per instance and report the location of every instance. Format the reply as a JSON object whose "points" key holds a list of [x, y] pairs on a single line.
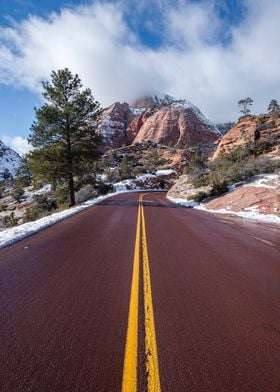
{"points": [[207, 51]]}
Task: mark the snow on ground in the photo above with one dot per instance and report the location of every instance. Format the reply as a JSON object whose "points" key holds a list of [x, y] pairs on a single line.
{"points": [[250, 213], [164, 172], [15, 234], [28, 194], [182, 202], [130, 184], [262, 180], [270, 181], [124, 185]]}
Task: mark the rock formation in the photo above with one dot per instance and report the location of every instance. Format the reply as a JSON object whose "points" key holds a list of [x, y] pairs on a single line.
{"points": [[249, 129], [184, 189], [261, 193], [162, 120], [112, 125], [168, 121], [9, 161]]}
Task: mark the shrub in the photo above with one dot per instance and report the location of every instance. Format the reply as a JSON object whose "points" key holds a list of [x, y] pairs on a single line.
{"points": [[17, 194], [43, 206], [10, 220], [85, 193], [61, 194], [3, 207], [198, 197]]}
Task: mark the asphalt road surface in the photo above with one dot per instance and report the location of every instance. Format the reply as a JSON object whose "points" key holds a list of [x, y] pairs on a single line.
{"points": [[137, 294]]}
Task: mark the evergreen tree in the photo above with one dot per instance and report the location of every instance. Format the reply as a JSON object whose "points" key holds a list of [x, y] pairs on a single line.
{"points": [[63, 134], [125, 169], [273, 106], [23, 175], [244, 106]]}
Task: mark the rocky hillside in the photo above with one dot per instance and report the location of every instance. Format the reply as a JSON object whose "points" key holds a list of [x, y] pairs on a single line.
{"points": [[9, 162], [148, 157], [263, 129], [162, 120], [260, 194], [113, 123], [243, 175]]}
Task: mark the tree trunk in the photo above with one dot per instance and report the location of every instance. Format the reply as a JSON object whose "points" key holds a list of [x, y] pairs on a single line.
{"points": [[71, 190]]}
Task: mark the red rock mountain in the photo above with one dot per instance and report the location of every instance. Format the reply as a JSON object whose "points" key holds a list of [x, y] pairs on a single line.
{"points": [[264, 127], [163, 120]]}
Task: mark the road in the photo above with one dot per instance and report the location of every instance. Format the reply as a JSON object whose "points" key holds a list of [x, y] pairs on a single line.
{"points": [[137, 294]]}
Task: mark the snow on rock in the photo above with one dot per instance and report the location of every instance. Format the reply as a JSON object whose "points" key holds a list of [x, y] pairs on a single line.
{"points": [[112, 125], [170, 121], [9, 160], [158, 181], [248, 213], [258, 199]]}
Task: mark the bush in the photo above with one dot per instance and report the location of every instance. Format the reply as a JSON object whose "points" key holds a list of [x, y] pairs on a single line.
{"points": [[198, 197], [219, 188], [17, 194], [85, 193], [3, 207], [61, 195], [226, 171], [44, 206], [138, 170], [10, 220]]}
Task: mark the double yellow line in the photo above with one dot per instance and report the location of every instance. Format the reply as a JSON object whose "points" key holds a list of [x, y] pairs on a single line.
{"points": [[129, 381]]}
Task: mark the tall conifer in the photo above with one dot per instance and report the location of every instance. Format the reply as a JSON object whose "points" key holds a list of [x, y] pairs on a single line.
{"points": [[63, 134]]}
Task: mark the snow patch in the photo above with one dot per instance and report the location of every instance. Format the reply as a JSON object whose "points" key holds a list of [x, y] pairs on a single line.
{"points": [[9, 160], [182, 202], [164, 172], [30, 194], [270, 181], [137, 111], [250, 213]]}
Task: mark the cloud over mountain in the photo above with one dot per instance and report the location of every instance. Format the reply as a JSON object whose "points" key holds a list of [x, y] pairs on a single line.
{"points": [[99, 42]]}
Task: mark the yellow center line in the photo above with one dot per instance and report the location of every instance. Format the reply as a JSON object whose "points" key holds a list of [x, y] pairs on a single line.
{"points": [[152, 367], [129, 380]]}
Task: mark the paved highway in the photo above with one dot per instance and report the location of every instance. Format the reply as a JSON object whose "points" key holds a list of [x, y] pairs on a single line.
{"points": [[137, 294]]}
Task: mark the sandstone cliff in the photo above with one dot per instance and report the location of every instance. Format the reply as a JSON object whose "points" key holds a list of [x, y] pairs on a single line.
{"points": [[168, 121], [250, 129], [112, 125], [162, 120]]}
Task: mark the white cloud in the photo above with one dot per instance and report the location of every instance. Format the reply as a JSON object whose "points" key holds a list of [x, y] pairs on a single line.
{"points": [[96, 42], [17, 143]]}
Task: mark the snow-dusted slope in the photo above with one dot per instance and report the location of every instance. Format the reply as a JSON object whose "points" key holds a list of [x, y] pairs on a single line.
{"points": [[166, 100], [9, 161], [158, 118], [113, 123]]}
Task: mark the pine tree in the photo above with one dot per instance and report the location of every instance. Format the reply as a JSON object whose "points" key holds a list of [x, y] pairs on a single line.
{"points": [[64, 138], [244, 106], [23, 175], [273, 106], [125, 168]]}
